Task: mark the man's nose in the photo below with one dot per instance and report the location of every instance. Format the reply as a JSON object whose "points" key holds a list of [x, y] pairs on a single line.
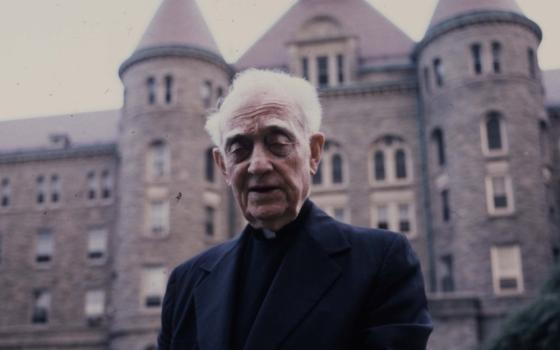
{"points": [[259, 162]]}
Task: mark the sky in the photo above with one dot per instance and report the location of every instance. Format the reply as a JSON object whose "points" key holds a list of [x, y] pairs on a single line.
{"points": [[62, 56]]}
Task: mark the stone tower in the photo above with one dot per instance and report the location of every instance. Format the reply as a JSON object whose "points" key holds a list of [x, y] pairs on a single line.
{"points": [[483, 118], [171, 203]]}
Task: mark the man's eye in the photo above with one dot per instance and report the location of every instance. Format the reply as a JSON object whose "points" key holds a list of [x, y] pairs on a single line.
{"points": [[280, 145], [239, 151]]}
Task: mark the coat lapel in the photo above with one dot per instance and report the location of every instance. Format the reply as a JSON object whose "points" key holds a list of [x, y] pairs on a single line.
{"points": [[304, 276], [214, 298]]}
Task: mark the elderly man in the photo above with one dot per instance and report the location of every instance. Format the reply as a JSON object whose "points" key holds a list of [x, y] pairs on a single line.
{"points": [[295, 278]]}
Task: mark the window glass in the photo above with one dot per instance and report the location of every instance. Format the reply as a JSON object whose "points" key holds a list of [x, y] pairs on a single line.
{"points": [[340, 68], [5, 192], [379, 164], [168, 89], [209, 165], [323, 71], [336, 169], [41, 306], [95, 303], [404, 218], [476, 57], [400, 163], [493, 132], [496, 57], [151, 86], [500, 193], [97, 244], [318, 176], [55, 188], [438, 71], [106, 184], [159, 217], [41, 189], [45, 247], [153, 286], [92, 185], [210, 218], [206, 94], [507, 269], [305, 68], [383, 217], [159, 159], [437, 136]]}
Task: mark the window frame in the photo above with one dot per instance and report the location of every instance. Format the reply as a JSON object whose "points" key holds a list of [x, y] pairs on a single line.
{"points": [[516, 272], [145, 290], [485, 142], [490, 195]]}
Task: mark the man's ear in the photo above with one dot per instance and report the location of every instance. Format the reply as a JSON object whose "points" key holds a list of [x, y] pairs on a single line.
{"points": [[220, 162], [316, 143]]}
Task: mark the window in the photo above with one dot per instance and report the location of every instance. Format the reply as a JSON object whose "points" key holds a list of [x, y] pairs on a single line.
{"points": [[383, 217], [438, 71], [206, 94], [544, 141], [55, 188], [219, 96], [106, 184], [447, 278], [476, 58], [404, 218], [151, 86], [209, 226], [390, 162], [97, 245], [5, 193], [94, 307], [493, 129], [507, 269], [496, 57], [41, 189], [499, 194], [396, 214], [153, 286], [437, 137], [379, 164], [532, 63], [159, 217], [323, 71], [92, 185], [45, 247], [305, 68], [445, 212], [41, 306], [340, 68], [209, 165], [158, 160], [336, 162], [1, 248], [339, 214], [400, 163], [331, 170], [168, 89], [427, 83]]}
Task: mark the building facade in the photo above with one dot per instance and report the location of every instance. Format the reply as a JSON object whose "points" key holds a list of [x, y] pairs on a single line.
{"points": [[452, 141]]}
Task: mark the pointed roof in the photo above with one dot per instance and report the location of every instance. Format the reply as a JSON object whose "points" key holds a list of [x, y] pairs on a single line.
{"points": [[178, 23], [377, 36], [447, 9]]}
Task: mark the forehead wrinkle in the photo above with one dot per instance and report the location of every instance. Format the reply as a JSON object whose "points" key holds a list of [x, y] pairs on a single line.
{"points": [[259, 126], [275, 107]]}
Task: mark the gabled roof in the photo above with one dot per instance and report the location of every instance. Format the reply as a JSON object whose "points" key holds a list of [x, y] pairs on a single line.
{"points": [[551, 82], [377, 36], [178, 23], [447, 9], [83, 129]]}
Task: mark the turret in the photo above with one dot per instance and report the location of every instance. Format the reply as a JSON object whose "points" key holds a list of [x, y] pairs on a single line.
{"points": [[171, 203], [482, 104]]}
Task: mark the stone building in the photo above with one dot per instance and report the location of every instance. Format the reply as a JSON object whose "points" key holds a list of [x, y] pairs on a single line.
{"points": [[453, 141]]}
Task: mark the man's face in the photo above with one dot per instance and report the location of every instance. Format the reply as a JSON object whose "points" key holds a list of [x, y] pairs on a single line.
{"points": [[268, 160]]}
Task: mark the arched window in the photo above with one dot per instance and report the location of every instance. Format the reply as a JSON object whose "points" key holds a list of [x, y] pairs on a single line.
{"points": [[151, 86], [532, 63], [390, 161], [332, 170], [168, 89], [438, 71], [400, 164], [318, 177], [476, 52], [336, 169], [496, 57], [379, 164], [493, 132], [437, 137], [209, 165], [158, 162]]}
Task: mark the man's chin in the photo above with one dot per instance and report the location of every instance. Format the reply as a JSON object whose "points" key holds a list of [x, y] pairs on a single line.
{"points": [[272, 217]]}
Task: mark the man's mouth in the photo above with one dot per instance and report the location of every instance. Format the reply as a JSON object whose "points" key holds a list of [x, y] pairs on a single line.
{"points": [[262, 189]]}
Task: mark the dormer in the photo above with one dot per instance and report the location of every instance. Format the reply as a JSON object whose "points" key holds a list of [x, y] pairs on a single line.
{"points": [[323, 52]]}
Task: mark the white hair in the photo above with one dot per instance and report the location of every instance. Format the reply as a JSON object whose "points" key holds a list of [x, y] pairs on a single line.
{"points": [[296, 92]]}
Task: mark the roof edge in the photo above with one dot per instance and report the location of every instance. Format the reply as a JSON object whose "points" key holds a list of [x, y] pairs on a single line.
{"points": [[476, 17], [19, 156], [175, 51]]}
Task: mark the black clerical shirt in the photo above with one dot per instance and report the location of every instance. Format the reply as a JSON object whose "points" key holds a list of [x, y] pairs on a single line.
{"points": [[262, 255]]}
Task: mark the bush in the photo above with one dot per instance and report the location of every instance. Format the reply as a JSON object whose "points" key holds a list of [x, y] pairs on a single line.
{"points": [[536, 326]]}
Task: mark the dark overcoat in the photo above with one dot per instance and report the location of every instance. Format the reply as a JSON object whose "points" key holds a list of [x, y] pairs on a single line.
{"points": [[339, 287]]}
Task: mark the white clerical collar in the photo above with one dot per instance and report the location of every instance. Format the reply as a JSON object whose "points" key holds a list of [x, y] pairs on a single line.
{"points": [[268, 234]]}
